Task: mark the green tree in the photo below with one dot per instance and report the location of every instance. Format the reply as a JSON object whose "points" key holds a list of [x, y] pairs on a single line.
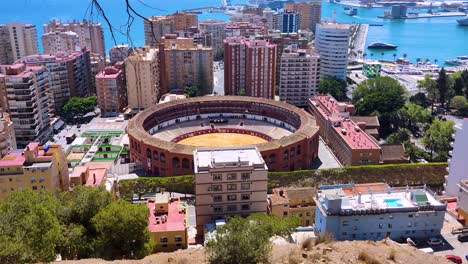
{"points": [[333, 86], [78, 105], [122, 231], [438, 137], [246, 241], [29, 230], [458, 102], [192, 91], [443, 86], [413, 116], [420, 99], [402, 135], [381, 96], [429, 85], [459, 86]]}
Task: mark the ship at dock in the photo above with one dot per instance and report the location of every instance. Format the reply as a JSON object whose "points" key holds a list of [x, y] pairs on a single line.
{"points": [[463, 21], [350, 11]]}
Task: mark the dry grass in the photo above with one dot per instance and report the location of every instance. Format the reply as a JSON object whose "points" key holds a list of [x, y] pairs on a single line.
{"points": [[392, 255], [324, 238], [366, 258], [307, 244]]}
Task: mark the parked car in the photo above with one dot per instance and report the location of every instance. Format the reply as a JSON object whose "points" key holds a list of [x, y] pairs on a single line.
{"points": [[454, 258], [463, 237], [434, 241]]}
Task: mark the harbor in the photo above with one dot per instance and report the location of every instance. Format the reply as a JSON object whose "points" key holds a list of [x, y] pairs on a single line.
{"points": [[425, 15]]}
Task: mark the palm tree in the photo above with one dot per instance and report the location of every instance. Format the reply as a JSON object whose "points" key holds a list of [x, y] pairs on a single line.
{"points": [[427, 60], [435, 61], [394, 56], [418, 60]]}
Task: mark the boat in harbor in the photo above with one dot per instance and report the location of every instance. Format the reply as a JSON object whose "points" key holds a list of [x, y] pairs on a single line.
{"points": [[460, 60], [463, 21], [381, 45], [350, 11]]}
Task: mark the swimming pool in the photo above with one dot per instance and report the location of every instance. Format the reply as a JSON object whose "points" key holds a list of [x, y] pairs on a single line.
{"points": [[393, 202]]}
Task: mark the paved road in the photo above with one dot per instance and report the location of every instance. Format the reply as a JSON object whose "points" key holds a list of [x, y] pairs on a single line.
{"points": [[451, 245], [218, 76], [326, 158]]}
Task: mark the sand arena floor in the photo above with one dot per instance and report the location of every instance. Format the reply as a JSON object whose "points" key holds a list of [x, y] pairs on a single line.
{"points": [[222, 140]]}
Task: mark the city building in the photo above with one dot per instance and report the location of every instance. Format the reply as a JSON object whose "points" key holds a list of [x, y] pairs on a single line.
{"points": [[17, 40], [272, 18], [332, 43], [142, 74], [249, 67], [24, 95], [216, 29], [69, 73], [98, 63], [458, 167], [111, 90], [289, 22], [298, 202], [283, 40], [6, 49], [36, 167], [299, 76], [375, 211], [157, 26], [310, 13], [229, 181], [347, 139], [60, 42], [166, 222], [248, 18], [244, 29], [462, 201], [119, 53], [182, 64], [90, 34], [7, 135], [92, 174]]}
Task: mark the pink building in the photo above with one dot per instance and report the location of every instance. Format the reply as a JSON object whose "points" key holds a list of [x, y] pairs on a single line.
{"points": [[111, 90], [249, 67]]}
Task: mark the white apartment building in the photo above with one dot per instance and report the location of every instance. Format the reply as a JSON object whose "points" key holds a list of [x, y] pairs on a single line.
{"points": [[332, 43], [458, 165], [91, 34], [22, 41], [24, 95], [56, 42], [142, 74], [229, 181], [299, 76]]}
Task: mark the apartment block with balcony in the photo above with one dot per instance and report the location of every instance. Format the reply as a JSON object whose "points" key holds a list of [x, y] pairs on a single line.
{"points": [[24, 95], [69, 73], [244, 29], [17, 41], [36, 167], [167, 224], [111, 90], [229, 181], [347, 139], [299, 76], [216, 29], [7, 135], [298, 202], [156, 27], [60, 42], [375, 211]]}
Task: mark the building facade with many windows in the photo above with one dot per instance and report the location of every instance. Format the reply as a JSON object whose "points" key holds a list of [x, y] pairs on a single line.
{"points": [[298, 202], [332, 43], [229, 181], [111, 90], [17, 40]]}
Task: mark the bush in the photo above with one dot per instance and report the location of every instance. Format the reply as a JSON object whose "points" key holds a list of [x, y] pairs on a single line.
{"points": [[366, 258]]}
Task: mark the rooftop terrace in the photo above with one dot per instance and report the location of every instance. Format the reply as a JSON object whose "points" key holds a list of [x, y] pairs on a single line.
{"points": [[174, 220]]}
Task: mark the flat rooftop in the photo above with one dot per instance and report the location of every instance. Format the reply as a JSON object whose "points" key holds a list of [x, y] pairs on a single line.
{"points": [[175, 218], [211, 158]]}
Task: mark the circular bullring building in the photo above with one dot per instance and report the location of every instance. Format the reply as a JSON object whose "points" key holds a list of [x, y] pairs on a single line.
{"points": [[163, 137]]}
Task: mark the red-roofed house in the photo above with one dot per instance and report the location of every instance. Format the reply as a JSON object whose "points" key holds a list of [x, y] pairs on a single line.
{"points": [[348, 140], [167, 223], [35, 167]]}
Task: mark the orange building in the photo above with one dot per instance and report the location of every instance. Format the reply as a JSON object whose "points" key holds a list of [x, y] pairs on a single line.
{"points": [[167, 223], [36, 167], [297, 202]]}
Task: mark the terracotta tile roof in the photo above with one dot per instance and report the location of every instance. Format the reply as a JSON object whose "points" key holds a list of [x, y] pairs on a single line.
{"points": [[393, 153]]}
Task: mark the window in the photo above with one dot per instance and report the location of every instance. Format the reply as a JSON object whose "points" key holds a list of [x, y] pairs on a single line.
{"points": [[41, 179], [185, 164], [245, 186], [177, 239], [232, 176], [217, 187], [33, 180], [162, 157], [34, 188], [217, 209], [217, 198], [245, 207], [307, 213], [217, 177], [232, 187], [232, 197], [178, 245], [380, 226], [163, 239], [285, 213], [176, 163], [245, 196], [164, 245], [245, 176], [389, 225], [232, 208]]}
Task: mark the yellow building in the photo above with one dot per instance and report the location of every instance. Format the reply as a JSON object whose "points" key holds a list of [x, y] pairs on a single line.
{"points": [[293, 202], [167, 223], [35, 167]]}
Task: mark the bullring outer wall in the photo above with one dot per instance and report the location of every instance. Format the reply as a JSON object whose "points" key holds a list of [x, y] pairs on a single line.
{"points": [[165, 158]]}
